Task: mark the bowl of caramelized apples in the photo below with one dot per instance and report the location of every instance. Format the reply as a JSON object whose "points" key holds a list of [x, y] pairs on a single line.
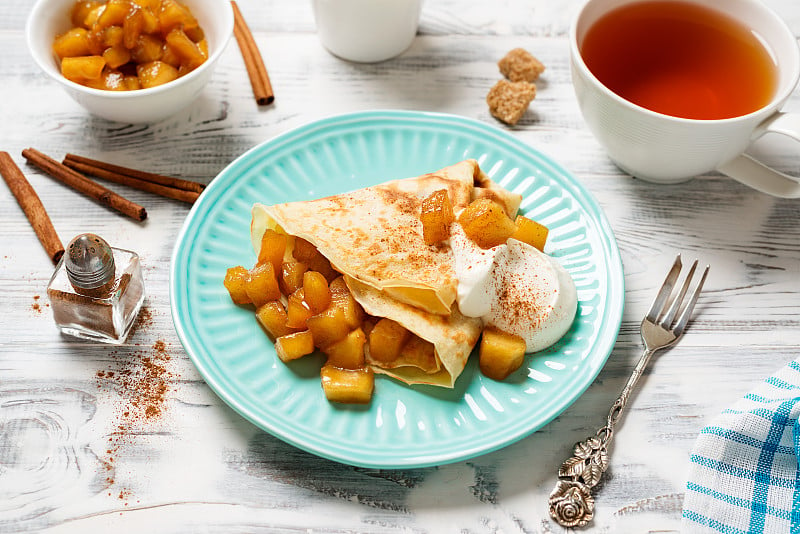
{"points": [[133, 61]]}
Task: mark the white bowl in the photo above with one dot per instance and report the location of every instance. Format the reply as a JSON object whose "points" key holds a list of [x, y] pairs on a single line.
{"points": [[50, 18]]}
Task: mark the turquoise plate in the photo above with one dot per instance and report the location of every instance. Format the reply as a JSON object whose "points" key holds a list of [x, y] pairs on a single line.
{"points": [[403, 426]]}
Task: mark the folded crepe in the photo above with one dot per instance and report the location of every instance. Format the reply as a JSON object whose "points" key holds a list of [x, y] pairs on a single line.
{"points": [[453, 337], [373, 236]]}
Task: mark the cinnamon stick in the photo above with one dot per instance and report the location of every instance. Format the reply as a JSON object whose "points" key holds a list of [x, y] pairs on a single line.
{"points": [[32, 206], [150, 187], [83, 184], [160, 179], [253, 62]]}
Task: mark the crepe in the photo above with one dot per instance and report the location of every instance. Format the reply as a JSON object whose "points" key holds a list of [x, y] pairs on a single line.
{"points": [[453, 336], [375, 234], [374, 237]]}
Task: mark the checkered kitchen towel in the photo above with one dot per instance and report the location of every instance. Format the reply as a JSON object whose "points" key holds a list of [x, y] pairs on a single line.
{"points": [[744, 473]]}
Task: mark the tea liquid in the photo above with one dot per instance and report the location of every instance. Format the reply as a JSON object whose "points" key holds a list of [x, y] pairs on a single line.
{"points": [[681, 59]]}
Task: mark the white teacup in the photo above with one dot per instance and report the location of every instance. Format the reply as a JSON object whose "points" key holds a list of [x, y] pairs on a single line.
{"points": [[666, 149], [367, 31]]}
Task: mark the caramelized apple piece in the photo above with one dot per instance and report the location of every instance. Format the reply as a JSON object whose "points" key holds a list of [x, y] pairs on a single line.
{"points": [[368, 323], [303, 250], [149, 19], [272, 317], [235, 282], [116, 56], [189, 52], [132, 26], [341, 298], [316, 290], [262, 285], [203, 44], [486, 223], [152, 5], [197, 35], [293, 346], [500, 353], [147, 49], [74, 42], [93, 16], [349, 386], [82, 68], [348, 352], [109, 80], [131, 83], [297, 310], [114, 80], [292, 276], [168, 55], [111, 36], [386, 339], [114, 13], [420, 353], [80, 10], [530, 232], [436, 217], [172, 14], [328, 327], [96, 46], [155, 73], [273, 246], [308, 254]]}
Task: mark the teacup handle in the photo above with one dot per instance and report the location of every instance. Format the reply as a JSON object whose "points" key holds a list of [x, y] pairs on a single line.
{"points": [[749, 171]]}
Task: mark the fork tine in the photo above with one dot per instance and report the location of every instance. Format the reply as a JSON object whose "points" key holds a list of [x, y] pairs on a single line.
{"points": [[666, 322], [687, 312], [664, 292]]}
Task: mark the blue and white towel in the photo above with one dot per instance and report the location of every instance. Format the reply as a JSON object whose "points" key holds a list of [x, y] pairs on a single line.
{"points": [[744, 474]]}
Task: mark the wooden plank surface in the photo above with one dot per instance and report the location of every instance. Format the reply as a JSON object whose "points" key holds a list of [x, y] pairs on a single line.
{"points": [[78, 450]]}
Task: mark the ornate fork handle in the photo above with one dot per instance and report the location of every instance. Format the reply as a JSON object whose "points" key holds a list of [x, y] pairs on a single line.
{"points": [[571, 502]]}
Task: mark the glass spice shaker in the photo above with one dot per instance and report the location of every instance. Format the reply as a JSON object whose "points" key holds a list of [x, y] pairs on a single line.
{"points": [[96, 290]]}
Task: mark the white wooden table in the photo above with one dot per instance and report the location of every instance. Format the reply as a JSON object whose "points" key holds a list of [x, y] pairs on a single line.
{"points": [[76, 454]]}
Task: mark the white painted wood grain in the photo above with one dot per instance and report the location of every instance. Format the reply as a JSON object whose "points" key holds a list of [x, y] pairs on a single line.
{"points": [[201, 467]]}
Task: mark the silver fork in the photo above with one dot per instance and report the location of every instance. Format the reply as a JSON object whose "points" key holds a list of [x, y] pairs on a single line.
{"points": [[571, 501]]}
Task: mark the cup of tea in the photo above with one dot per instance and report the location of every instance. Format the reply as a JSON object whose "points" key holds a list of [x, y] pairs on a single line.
{"points": [[677, 88]]}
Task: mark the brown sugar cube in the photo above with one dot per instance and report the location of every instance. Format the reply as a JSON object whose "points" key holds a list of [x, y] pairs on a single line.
{"points": [[520, 66], [509, 100]]}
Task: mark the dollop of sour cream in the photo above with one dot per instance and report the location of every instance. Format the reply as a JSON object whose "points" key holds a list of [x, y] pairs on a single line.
{"points": [[515, 288]]}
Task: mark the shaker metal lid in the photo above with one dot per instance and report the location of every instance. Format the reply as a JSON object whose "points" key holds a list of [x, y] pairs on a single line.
{"points": [[89, 262]]}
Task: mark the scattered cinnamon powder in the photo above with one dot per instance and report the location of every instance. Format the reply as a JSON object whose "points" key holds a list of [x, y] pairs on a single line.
{"points": [[37, 305], [141, 379]]}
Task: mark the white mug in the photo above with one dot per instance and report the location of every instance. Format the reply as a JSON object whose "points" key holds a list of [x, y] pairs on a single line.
{"points": [[367, 31], [664, 149]]}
